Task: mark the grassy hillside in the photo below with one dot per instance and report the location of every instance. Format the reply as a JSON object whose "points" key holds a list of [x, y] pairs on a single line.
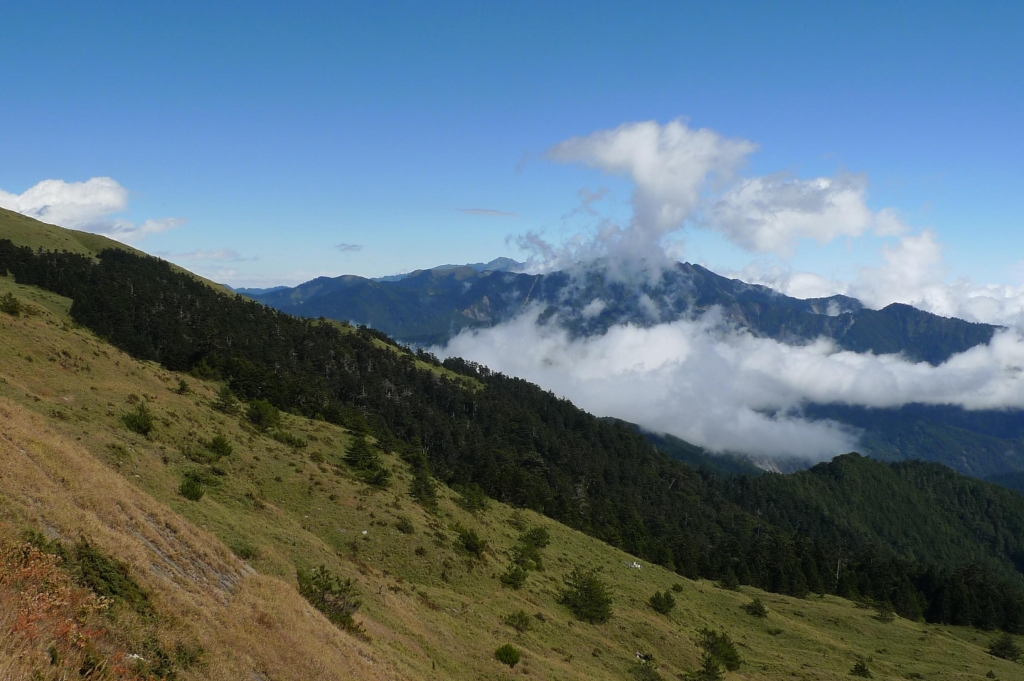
{"points": [[221, 570], [526, 447], [25, 231]]}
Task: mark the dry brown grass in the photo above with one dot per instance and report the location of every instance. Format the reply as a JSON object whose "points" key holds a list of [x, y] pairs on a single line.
{"points": [[246, 622]]}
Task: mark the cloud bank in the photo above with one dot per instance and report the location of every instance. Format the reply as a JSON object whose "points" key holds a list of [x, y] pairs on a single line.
{"points": [[727, 390], [913, 271], [85, 206]]}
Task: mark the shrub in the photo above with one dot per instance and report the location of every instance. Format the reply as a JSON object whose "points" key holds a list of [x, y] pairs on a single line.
{"points": [[536, 536], [263, 415], [729, 581], [139, 420], [586, 596], [507, 654], [677, 587], [226, 401], [719, 649], [860, 669], [183, 387], [191, 488], [10, 304], [405, 526], [710, 670], [244, 549], [378, 476], [334, 597], [471, 497], [107, 577], [646, 672], [662, 602], [518, 620], [884, 611], [756, 608], [514, 577], [286, 438], [471, 542], [219, 447], [1005, 647]]}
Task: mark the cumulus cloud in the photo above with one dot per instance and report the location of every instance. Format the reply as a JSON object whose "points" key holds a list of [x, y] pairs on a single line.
{"points": [[768, 214], [85, 206], [728, 390], [689, 177], [671, 167]]}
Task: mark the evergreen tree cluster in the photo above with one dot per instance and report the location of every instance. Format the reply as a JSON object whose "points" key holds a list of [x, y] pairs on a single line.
{"points": [[931, 543]]}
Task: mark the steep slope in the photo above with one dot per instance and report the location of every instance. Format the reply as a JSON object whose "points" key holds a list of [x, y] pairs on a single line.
{"points": [[520, 444], [69, 467], [25, 231]]}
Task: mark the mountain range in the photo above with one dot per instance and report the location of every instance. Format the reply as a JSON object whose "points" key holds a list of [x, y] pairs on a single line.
{"points": [[430, 307]]}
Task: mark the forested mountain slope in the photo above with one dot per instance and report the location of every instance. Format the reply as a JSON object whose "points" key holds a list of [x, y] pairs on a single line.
{"points": [[428, 307], [207, 588], [528, 448]]}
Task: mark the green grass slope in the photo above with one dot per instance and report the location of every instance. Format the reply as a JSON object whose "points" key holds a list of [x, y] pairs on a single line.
{"points": [[430, 609], [25, 231]]}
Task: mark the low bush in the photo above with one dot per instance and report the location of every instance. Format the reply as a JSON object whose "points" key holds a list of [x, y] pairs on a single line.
{"points": [[507, 654], [518, 620], [586, 595], [405, 526], [10, 304], [860, 669], [139, 420], [219, 447], [334, 597], [263, 415], [719, 650], [183, 387], [472, 497], [756, 608], [226, 401], [286, 438], [514, 577], [1005, 647], [244, 549], [662, 602], [471, 542], [191, 488]]}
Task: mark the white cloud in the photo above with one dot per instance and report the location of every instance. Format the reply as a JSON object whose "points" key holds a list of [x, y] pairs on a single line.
{"points": [[768, 214], [683, 176], [85, 206], [914, 272], [671, 167], [727, 390], [349, 248]]}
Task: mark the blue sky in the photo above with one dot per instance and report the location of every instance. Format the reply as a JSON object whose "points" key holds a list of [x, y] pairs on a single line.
{"points": [[278, 132]]}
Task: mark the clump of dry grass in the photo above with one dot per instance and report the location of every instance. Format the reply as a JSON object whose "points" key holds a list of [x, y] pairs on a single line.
{"points": [[49, 628]]}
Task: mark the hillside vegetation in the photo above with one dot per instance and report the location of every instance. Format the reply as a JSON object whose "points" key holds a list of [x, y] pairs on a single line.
{"points": [[208, 589], [523, 446]]}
